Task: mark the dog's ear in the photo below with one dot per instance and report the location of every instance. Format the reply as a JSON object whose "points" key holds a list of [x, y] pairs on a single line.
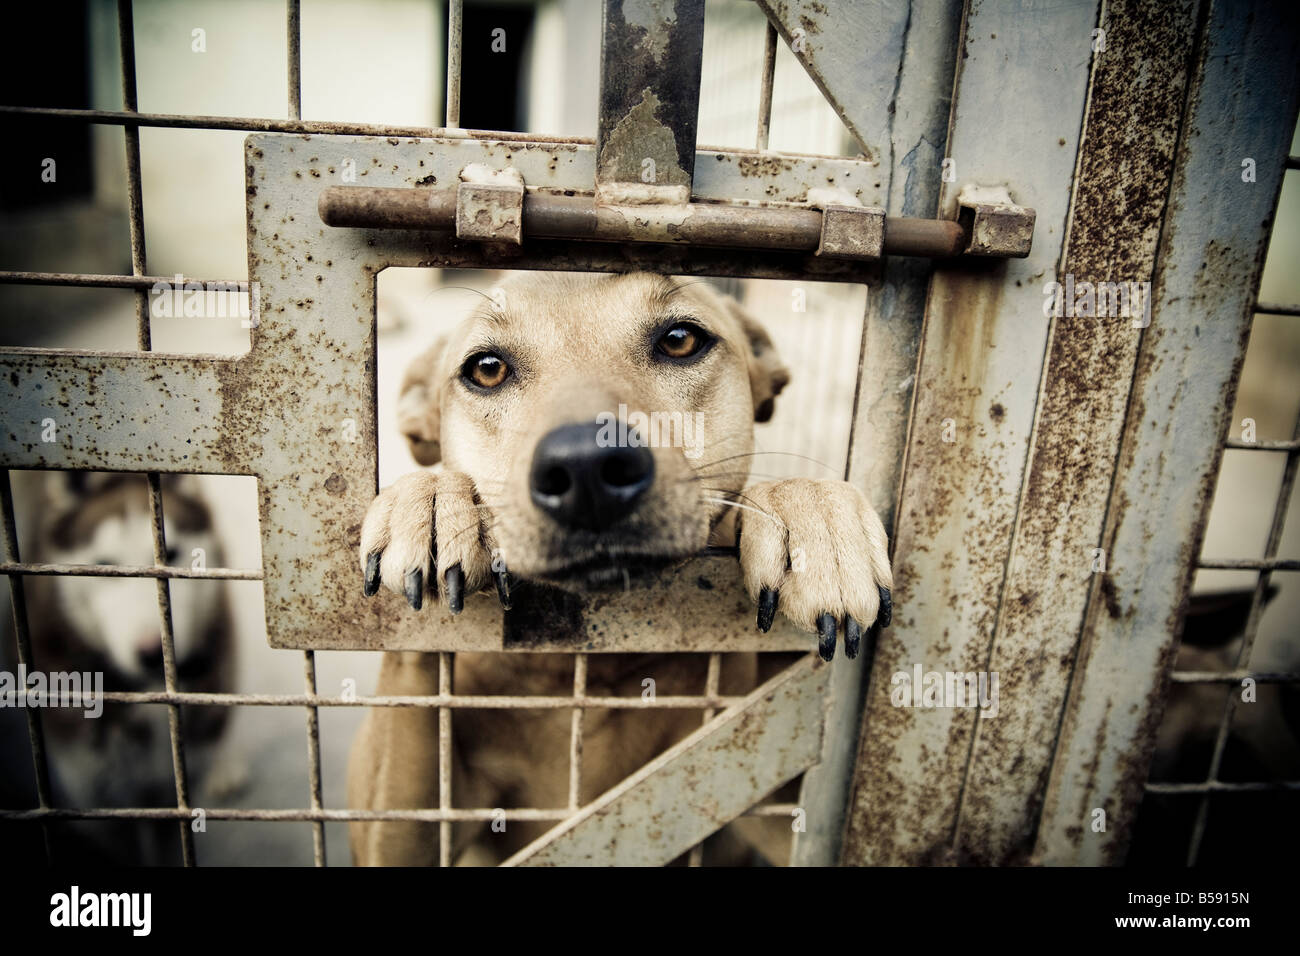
{"points": [[419, 407], [767, 373]]}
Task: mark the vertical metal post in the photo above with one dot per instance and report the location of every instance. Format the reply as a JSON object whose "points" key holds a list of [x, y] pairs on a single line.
{"points": [[455, 16], [134, 192], [575, 732], [765, 91], [313, 757], [444, 760], [294, 34], [22, 635], [650, 59], [174, 721]]}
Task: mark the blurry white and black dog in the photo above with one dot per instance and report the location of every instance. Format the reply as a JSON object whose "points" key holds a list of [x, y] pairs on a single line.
{"points": [[110, 626]]}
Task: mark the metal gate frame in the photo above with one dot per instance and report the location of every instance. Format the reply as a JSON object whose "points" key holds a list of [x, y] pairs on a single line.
{"points": [[1088, 434], [925, 788]]}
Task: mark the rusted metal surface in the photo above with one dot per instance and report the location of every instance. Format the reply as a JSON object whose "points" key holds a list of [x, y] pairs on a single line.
{"points": [[852, 232], [916, 121], [976, 390], [489, 206], [1130, 131], [115, 412], [994, 225], [838, 231], [650, 57], [699, 785], [1243, 101]]}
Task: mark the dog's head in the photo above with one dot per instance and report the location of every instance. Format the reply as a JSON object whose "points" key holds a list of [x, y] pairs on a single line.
{"points": [[605, 420], [105, 519]]}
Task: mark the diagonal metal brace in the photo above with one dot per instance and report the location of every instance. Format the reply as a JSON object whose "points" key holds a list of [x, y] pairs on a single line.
{"points": [[701, 784]]}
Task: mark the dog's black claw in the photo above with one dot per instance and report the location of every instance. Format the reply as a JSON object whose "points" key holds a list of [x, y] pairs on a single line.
{"points": [[455, 584], [503, 589], [826, 629], [371, 585], [415, 588], [873, 638], [767, 599], [886, 607], [852, 637]]}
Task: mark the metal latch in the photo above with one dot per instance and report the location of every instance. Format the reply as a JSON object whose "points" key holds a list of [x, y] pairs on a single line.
{"points": [[993, 224], [494, 206]]}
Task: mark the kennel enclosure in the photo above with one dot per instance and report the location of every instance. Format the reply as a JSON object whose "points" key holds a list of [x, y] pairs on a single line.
{"points": [[1114, 131]]}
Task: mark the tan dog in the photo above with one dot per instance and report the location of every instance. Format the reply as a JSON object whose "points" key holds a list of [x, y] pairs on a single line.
{"points": [[590, 429]]}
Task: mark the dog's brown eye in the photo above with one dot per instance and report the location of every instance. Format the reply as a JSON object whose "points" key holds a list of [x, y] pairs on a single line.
{"points": [[681, 341], [485, 370]]}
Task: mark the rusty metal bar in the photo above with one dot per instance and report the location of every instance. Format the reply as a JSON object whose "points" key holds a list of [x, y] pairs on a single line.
{"points": [[711, 681], [455, 20], [328, 815], [23, 640], [789, 228], [135, 192], [313, 756], [257, 124], [444, 760], [174, 722], [130, 571], [135, 199], [1249, 564], [651, 54], [575, 731], [765, 91], [467, 702], [1234, 677], [1277, 308], [1221, 786], [293, 31], [1247, 647], [1262, 445], [85, 279]]}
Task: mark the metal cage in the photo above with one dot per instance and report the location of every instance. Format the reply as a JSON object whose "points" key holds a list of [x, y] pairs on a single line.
{"points": [[994, 574]]}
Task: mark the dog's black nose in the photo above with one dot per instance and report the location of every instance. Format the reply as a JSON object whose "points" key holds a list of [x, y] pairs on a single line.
{"points": [[582, 484]]}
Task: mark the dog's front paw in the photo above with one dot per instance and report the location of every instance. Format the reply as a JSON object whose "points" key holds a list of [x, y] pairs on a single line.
{"points": [[426, 529], [817, 551]]}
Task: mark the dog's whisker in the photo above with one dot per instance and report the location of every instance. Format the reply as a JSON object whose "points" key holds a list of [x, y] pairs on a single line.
{"points": [[735, 504], [753, 454]]}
